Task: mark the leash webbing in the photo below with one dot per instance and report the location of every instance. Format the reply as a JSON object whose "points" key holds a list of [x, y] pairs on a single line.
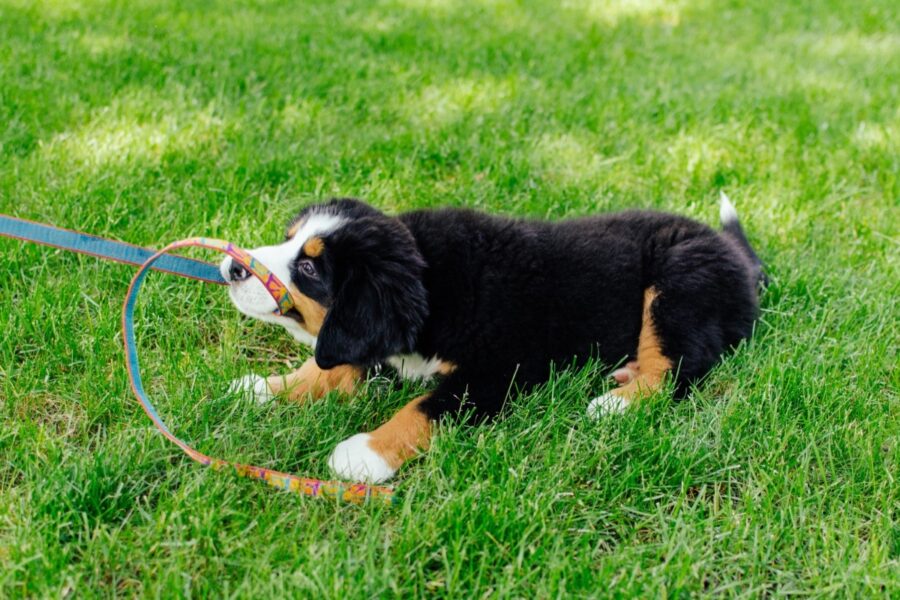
{"points": [[161, 260], [122, 252]]}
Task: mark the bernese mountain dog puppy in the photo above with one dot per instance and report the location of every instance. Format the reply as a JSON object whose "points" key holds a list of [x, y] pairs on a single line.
{"points": [[486, 304]]}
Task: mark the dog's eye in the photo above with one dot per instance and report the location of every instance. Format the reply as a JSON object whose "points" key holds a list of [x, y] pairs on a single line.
{"points": [[307, 268]]}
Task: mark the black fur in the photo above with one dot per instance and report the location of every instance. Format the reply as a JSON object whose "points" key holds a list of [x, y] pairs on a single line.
{"points": [[379, 302], [503, 299]]}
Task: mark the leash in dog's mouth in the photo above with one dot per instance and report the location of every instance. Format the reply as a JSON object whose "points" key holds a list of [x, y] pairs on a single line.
{"points": [[294, 314], [186, 267]]}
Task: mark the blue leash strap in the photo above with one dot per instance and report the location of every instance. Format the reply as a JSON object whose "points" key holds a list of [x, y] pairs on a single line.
{"points": [[92, 245]]}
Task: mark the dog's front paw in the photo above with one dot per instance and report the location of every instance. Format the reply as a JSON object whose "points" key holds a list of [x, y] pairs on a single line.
{"points": [[606, 404], [355, 460], [253, 387]]}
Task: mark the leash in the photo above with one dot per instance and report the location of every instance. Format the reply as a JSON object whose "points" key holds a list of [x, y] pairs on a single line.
{"points": [[122, 252], [186, 267]]}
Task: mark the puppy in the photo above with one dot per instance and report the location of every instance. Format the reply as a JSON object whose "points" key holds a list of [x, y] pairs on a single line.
{"points": [[486, 304]]}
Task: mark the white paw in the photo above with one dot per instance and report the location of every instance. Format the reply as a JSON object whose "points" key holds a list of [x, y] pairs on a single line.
{"points": [[606, 404], [252, 387], [353, 459]]}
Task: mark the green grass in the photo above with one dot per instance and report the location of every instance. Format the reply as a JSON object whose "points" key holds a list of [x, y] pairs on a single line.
{"points": [[152, 121]]}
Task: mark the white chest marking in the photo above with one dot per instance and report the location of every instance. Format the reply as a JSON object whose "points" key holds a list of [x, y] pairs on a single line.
{"points": [[415, 366]]}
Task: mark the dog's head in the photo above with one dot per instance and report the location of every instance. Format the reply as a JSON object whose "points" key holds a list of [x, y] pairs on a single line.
{"points": [[356, 278]]}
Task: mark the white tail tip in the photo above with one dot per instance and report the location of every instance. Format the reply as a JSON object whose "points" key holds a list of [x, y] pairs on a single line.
{"points": [[727, 211]]}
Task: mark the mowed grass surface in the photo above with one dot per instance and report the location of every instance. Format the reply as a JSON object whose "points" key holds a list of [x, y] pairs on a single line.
{"points": [[152, 121]]}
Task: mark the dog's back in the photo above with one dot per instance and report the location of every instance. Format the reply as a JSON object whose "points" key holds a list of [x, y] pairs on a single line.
{"points": [[514, 293]]}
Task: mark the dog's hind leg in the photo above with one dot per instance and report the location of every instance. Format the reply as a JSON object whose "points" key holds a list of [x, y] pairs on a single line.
{"points": [[649, 370], [702, 302]]}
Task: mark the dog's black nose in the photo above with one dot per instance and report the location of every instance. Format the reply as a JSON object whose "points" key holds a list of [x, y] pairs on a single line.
{"points": [[237, 272]]}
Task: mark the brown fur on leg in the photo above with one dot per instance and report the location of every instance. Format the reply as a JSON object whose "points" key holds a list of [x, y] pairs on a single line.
{"points": [[652, 365], [309, 381], [404, 435]]}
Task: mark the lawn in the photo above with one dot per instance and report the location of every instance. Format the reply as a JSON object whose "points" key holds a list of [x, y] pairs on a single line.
{"points": [[152, 121]]}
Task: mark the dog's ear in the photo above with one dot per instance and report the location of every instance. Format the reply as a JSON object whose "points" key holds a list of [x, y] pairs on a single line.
{"points": [[379, 302]]}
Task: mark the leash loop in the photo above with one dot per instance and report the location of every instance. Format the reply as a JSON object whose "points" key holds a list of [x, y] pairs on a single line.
{"points": [[352, 492]]}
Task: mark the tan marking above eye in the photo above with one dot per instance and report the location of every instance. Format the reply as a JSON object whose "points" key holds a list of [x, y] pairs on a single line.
{"points": [[314, 247], [401, 438]]}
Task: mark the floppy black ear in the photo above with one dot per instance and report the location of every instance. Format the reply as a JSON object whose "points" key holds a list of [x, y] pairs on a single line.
{"points": [[379, 303]]}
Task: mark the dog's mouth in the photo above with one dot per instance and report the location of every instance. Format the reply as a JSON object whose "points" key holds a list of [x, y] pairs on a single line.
{"points": [[294, 315], [254, 301]]}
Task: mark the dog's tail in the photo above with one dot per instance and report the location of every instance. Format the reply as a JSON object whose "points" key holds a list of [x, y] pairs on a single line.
{"points": [[731, 226]]}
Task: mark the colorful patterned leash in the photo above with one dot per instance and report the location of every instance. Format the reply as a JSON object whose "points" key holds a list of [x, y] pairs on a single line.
{"points": [[186, 267]]}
